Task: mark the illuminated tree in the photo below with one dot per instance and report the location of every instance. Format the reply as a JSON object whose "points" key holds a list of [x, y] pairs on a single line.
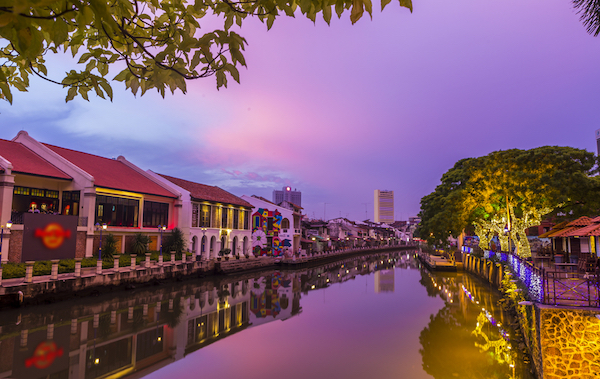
{"points": [[506, 192], [519, 187], [151, 43]]}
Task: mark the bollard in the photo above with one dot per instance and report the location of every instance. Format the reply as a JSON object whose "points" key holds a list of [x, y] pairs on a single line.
{"points": [[54, 272], [160, 260], [183, 257], [29, 271], [147, 263], [78, 267], [133, 262], [98, 267], [172, 257], [116, 258]]}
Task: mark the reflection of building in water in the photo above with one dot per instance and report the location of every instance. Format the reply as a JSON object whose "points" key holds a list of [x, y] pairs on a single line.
{"points": [[384, 281], [136, 335], [271, 296]]}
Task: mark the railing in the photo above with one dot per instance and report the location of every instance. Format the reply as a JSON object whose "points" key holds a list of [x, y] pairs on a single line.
{"points": [[17, 219], [557, 287], [573, 289]]}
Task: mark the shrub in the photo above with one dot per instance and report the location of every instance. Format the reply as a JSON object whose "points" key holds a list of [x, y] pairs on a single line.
{"points": [[109, 247], [13, 270], [174, 242], [140, 243]]}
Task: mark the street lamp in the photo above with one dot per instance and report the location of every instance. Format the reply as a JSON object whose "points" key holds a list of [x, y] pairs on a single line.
{"points": [[161, 228], [8, 226], [100, 228]]}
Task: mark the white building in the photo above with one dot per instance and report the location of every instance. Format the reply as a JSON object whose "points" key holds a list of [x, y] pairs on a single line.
{"points": [[211, 218], [384, 206], [273, 229]]}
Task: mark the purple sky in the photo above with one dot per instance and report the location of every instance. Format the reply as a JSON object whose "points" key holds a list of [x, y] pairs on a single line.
{"points": [[338, 111]]}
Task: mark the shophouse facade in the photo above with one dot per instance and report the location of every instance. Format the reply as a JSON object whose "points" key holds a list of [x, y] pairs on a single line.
{"points": [[41, 178], [273, 231], [211, 218]]}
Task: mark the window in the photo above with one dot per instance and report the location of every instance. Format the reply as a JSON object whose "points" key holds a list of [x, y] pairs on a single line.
{"points": [[285, 224], [195, 215], [270, 223], [205, 216], [34, 200], [117, 211], [216, 216], [155, 214], [236, 219], [246, 220], [70, 203], [224, 214]]}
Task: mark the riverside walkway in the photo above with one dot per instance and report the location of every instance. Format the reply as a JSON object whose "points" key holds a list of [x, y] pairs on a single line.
{"points": [[90, 280]]}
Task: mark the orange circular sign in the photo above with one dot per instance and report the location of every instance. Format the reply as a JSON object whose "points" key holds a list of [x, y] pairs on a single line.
{"points": [[44, 355], [53, 235]]}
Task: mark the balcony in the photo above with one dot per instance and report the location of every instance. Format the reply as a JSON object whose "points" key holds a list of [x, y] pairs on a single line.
{"points": [[17, 219]]}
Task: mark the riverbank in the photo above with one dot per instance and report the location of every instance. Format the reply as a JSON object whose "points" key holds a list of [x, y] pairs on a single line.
{"points": [[563, 341], [94, 281]]}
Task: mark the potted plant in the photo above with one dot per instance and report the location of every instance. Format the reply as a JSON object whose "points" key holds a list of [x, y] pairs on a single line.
{"points": [[225, 253]]}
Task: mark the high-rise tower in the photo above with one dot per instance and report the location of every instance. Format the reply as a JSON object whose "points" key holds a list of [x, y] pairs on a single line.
{"points": [[286, 194], [384, 206]]}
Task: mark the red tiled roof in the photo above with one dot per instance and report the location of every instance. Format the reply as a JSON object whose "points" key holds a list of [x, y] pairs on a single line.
{"points": [[111, 173], [581, 221], [556, 228], [209, 193], [585, 231], [25, 161], [563, 232]]}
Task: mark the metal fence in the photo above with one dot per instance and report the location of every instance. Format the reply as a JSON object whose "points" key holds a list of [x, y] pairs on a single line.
{"points": [[557, 287]]}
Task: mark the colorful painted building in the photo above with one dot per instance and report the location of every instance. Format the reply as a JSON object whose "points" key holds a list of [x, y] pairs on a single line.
{"points": [[272, 231]]}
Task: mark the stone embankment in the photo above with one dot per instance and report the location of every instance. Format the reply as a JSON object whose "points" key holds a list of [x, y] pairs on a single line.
{"points": [[90, 281]]}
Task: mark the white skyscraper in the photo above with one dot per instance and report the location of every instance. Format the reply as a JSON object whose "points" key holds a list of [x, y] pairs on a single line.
{"points": [[384, 206]]}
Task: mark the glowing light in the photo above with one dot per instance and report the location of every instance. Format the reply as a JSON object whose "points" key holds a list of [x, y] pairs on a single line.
{"points": [[97, 361]]}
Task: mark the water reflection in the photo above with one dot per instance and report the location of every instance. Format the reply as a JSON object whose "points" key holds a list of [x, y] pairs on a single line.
{"points": [[467, 337], [354, 332]]}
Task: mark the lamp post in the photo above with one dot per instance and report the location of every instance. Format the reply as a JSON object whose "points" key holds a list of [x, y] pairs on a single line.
{"points": [[100, 228], [7, 226], [161, 228]]}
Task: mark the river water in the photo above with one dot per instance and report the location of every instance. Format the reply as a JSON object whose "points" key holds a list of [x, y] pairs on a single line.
{"points": [[374, 316]]}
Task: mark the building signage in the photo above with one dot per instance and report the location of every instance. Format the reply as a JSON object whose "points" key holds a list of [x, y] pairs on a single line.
{"points": [[42, 355], [47, 236]]}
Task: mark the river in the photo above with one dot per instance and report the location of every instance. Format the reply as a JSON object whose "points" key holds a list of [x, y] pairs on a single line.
{"points": [[372, 316]]}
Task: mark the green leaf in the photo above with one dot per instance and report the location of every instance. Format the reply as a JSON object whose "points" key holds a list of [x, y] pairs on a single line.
{"points": [[327, 14], [407, 4], [385, 2], [71, 94], [107, 88], [83, 91]]}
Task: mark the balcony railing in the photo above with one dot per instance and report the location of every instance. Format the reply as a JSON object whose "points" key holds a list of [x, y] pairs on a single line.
{"points": [[17, 219]]}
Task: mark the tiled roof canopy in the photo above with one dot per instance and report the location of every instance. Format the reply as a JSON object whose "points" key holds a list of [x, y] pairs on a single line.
{"points": [[209, 193], [25, 161], [111, 173]]}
